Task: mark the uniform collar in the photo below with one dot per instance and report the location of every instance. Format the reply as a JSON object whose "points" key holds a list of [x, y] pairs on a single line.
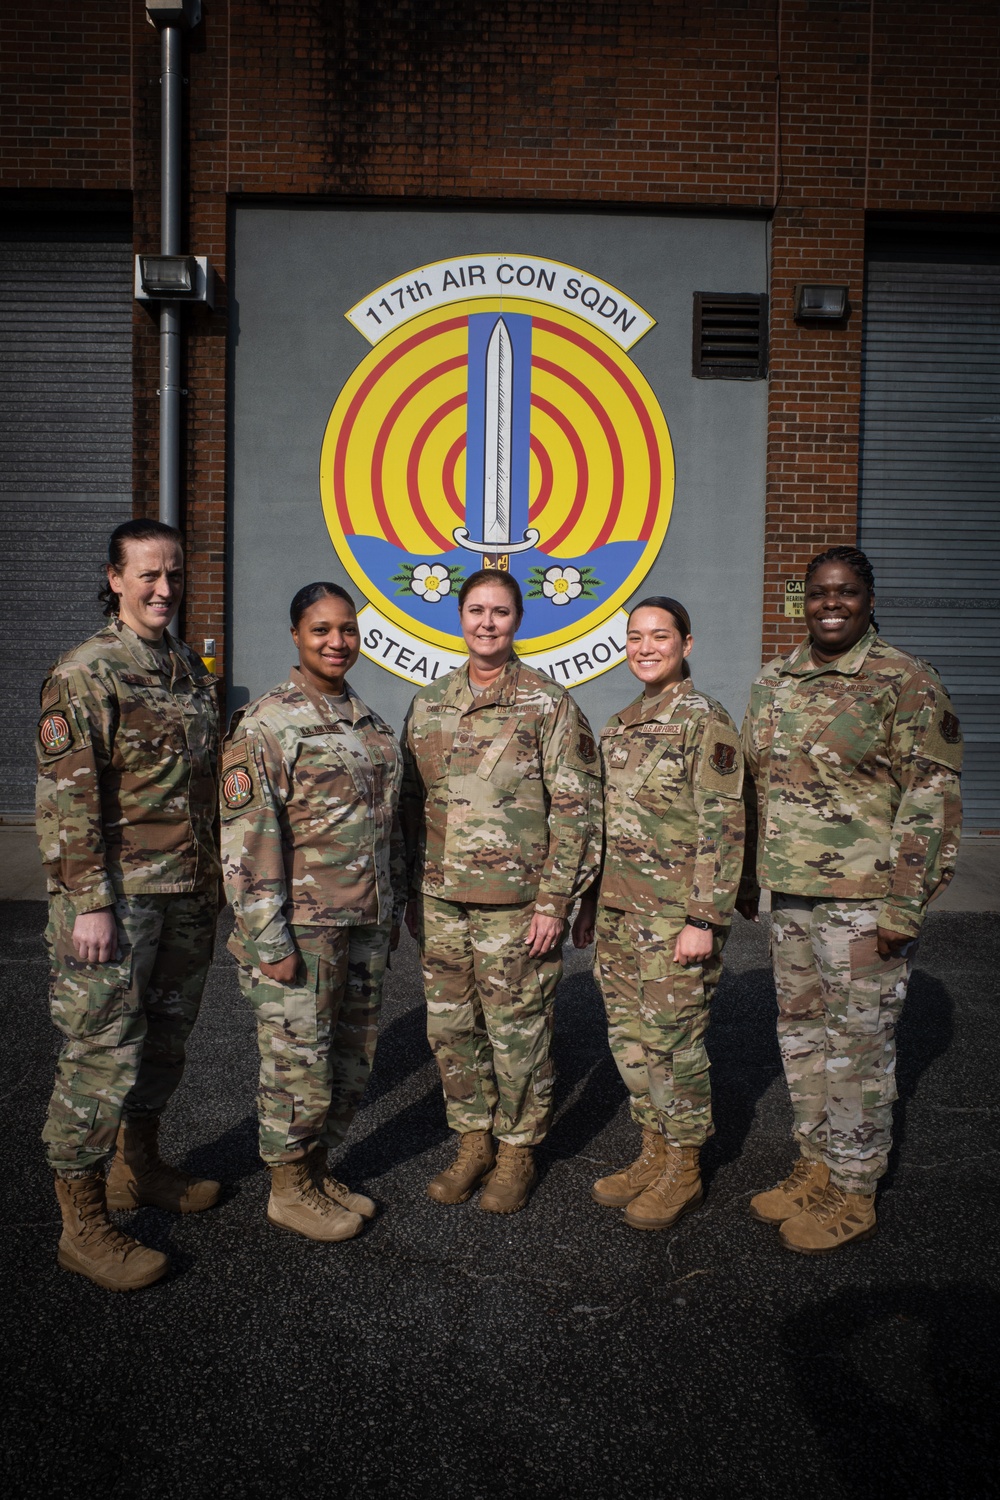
{"points": [[643, 709], [169, 662], [801, 664], [348, 713], [461, 693]]}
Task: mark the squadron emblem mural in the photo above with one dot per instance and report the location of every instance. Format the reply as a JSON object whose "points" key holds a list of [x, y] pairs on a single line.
{"points": [[498, 421]]}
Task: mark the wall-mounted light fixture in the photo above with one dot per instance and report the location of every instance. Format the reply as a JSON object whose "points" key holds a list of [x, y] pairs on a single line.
{"points": [[184, 13], [823, 303], [175, 278]]}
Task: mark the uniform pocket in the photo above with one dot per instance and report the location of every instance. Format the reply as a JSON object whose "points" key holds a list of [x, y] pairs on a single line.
{"points": [[300, 1000], [878, 1091], [108, 1008], [874, 982], [848, 737], [692, 1086]]}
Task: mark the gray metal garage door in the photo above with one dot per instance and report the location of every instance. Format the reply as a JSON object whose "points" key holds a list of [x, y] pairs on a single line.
{"points": [[930, 477], [65, 453]]}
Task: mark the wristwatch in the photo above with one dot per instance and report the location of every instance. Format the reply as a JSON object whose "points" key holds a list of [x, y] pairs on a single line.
{"points": [[697, 922]]}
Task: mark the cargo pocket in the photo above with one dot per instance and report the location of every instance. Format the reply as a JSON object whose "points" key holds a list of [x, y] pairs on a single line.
{"points": [[279, 1138], [300, 1002], [692, 1087], [877, 1091], [874, 982]]}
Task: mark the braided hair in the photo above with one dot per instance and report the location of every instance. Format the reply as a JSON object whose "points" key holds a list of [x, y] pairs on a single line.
{"points": [[853, 558]]}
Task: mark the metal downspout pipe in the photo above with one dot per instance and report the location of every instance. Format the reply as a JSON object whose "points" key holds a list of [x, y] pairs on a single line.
{"points": [[171, 86]]}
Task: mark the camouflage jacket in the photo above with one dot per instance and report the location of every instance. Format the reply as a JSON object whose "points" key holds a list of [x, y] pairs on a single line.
{"points": [[853, 780], [501, 792], [309, 830], [673, 814], [128, 746]]}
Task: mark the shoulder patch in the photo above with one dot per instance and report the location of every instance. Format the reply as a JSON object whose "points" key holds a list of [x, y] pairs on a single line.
{"points": [[237, 788], [240, 788], [55, 735], [586, 748], [721, 767], [943, 741]]}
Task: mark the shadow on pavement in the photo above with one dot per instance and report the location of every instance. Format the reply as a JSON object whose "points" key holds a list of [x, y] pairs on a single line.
{"points": [[902, 1385]]}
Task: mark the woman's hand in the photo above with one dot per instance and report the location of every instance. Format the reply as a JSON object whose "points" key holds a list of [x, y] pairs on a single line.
{"points": [[749, 907], [411, 916], [693, 945], [893, 944], [284, 971], [95, 936], [544, 934], [586, 922]]}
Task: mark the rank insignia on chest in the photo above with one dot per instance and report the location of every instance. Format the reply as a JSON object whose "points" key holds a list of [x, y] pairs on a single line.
{"points": [[951, 732], [723, 758], [237, 788], [54, 734], [619, 756]]}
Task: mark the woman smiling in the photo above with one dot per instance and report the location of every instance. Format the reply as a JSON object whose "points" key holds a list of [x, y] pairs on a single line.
{"points": [[310, 780], [853, 805], [500, 804], [673, 850]]}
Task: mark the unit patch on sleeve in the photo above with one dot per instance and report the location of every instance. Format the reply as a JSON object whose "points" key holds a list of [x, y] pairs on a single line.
{"points": [[237, 787], [721, 762], [240, 784], [587, 748], [54, 734], [943, 741]]}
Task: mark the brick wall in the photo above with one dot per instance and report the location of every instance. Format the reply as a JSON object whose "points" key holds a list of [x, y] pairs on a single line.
{"points": [[518, 100]]}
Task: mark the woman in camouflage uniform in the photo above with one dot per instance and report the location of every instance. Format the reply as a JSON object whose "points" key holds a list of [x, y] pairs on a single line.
{"points": [[853, 757], [673, 850], [500, 809], [128, 748], [314, 870]]}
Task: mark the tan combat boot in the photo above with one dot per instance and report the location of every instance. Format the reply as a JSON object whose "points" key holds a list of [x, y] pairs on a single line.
{"points": [[621, 1187], [675, 1192], [835, 1220], [509, 1185], [140, 1179], [94, 1247], [296, 1204], [805, 1185], [355, 1203], [476, 1155]]}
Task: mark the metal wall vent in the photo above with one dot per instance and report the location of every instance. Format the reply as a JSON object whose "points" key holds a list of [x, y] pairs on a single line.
{"points": [[730, 336]]}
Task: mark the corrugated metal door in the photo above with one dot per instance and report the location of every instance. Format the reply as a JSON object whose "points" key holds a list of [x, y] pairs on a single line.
{"points": [[930, 479], [65, 454]]}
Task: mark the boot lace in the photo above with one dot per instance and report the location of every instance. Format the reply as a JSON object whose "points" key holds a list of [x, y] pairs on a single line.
{"points": [[510, 1166], [830, 1205], [799, 1175]]}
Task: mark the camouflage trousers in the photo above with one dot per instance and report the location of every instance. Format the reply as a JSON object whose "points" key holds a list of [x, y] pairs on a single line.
{"points": [[317, 1037], [657, 1018], [838, 1007], [489, 1017], [125, 1023]]}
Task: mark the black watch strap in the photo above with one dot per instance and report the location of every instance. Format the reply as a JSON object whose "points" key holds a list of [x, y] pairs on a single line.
{"points": [[698, 922]]}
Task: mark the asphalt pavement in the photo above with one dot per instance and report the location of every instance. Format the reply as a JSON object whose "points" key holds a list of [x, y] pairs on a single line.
{"points": [[556, 1353]]}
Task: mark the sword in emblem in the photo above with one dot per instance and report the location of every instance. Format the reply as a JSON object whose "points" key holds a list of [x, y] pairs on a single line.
{"points": [[497, 543]]}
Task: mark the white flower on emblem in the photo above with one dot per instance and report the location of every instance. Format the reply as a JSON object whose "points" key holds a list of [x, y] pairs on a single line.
{"points": [[562, 584], [430, 583]]}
